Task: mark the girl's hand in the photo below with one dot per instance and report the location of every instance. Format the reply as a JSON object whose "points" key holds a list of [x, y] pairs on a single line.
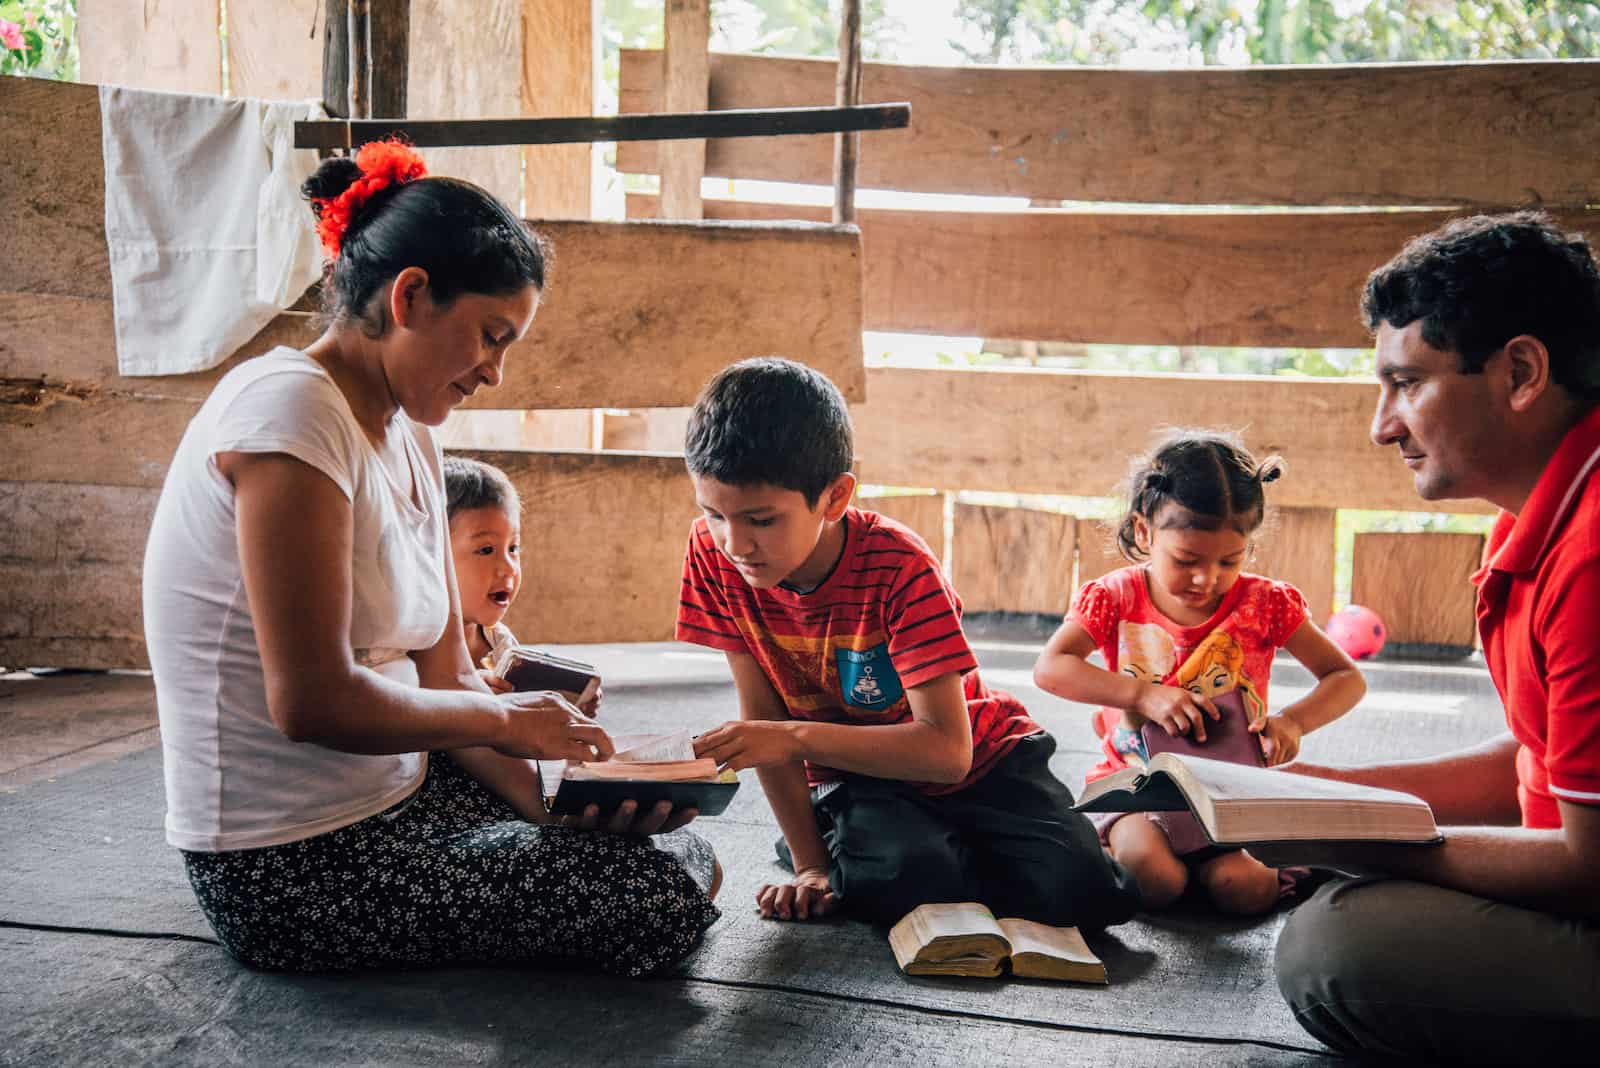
{"points": [[495, 683], [542, 725], [1280, 738], [1176, 710], [749, 743], [806, 895]]}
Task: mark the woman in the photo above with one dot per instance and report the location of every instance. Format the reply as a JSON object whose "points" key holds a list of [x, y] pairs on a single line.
{"points": [[304, 628]]}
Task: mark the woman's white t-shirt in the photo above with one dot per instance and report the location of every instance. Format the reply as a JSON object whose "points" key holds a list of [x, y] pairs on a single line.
{"points": [[234, 781]]}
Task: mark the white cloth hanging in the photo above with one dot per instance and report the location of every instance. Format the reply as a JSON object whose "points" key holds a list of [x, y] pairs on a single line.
{"points": [[208, 236]]}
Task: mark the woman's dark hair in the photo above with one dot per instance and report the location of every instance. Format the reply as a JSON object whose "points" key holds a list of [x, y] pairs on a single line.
{"points": [[1208, 477], [465, 239], [1478, 282], [770, 420], [470, 484]]}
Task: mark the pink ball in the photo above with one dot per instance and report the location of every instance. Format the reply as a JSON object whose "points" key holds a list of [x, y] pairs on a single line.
{"points": [[1357, 630]]}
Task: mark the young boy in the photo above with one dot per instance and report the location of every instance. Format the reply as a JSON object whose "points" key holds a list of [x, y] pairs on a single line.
{"points": [[855, 681]]}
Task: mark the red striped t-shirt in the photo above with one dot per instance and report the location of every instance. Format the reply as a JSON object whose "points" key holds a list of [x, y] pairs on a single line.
{"points": [[884, 620]]}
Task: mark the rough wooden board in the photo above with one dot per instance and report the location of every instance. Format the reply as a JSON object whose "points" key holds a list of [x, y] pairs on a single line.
{"points": [[275, 49], [646, 429], [906, 435], [1012, 559], [1262, 135], [571, 428], [603, 536], [1097, 549], [171, 45], [558, 78], [1297, 546], [1419, 584], [686, 79], [1127, 278], [923, 513]]}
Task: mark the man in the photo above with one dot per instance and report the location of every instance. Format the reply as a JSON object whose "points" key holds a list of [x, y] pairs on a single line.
{"points": [[1487, 947]]}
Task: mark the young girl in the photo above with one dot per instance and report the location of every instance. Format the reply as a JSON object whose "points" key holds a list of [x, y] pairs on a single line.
{"points": [[485, 526], [1184, 625]]}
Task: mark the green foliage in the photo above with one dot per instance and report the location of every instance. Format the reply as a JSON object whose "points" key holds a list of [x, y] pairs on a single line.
{"points": [[39, 38]]}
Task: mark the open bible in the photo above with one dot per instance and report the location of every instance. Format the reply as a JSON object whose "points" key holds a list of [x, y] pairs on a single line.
{"points": [[966, 939], [1238, 804], [646, 769]]}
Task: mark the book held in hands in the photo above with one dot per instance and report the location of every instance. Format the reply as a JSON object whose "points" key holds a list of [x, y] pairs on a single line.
{"points": [[965, 939], [527, 668], [646, 769], [1238, 804]]}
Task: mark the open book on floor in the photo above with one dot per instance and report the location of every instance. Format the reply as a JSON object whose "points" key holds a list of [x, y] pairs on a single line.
{"points": [[1237, 804], [646, 769], [965, 939]]}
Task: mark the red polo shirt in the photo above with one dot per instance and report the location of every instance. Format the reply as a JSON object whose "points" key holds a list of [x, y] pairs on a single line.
{"points": [[1539, 615]]}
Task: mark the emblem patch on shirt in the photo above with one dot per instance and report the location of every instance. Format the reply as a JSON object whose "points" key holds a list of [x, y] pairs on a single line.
{"points": [[867, 678]]}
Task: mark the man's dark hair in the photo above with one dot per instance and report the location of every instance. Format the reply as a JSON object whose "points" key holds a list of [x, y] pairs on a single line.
{"points": [[1478, 282], [770, 420]]}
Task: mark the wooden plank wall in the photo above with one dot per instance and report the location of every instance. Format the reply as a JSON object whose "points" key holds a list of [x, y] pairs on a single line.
{"points": [[171, 45], [1419, 584], [1012, 559], [1261, 135], [922, 512]]}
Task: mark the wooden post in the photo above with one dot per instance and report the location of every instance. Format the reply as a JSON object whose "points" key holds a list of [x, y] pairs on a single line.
{"points": [[687, 88], [391, 57], [558, 78], [360, 59], [847, 93], [336, 60]]}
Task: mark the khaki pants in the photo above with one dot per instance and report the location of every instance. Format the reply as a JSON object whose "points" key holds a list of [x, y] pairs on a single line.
{"points": [[1391, 968]]}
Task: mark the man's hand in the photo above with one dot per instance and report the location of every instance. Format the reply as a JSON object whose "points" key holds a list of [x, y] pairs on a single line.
{"points": [[750, 743], [627, 819], [804, 897], [1280, 738], [1176, 710]]}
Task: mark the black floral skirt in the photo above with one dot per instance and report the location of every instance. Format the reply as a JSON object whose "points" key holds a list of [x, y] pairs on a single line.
{"points": [[453, 875]]}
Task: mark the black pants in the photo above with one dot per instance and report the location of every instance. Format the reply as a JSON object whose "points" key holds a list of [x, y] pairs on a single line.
{"points": [[1010, 841]]}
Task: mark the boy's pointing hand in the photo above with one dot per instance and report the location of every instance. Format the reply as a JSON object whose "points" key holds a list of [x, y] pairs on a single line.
{"points": [[757, 743]]}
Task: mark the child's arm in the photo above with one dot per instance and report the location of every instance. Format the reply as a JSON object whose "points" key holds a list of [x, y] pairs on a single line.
{"points": [[785, 786], [935, 746], [1064, 670], [1339, 687]]}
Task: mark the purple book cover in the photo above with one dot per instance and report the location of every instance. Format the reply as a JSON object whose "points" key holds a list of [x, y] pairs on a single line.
{"points": [[1228, 738]]}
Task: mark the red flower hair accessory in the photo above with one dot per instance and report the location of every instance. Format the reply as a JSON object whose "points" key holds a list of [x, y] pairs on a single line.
{"points": [[382, 163]]}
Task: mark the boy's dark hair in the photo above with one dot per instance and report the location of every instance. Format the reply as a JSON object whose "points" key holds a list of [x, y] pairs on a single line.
{"points": [[1478, 282], [770, 420], [465, 239], [1210, 478], [470, 484]]}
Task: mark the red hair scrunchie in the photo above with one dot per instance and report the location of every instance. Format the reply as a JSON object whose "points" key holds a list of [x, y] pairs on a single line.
{"points": [[382, 163]]}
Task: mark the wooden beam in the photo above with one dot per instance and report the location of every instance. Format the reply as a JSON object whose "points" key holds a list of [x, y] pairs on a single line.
{"points": [[171, 45], [847, 93], [1297, 546], [1012, 559], [336, 59], [1493, 133], [390, 43], [602, 544], [1132, 278], [686, 78], [912, 432], [558, 78], [275, 49], [1097, 550], [1420, 585]]}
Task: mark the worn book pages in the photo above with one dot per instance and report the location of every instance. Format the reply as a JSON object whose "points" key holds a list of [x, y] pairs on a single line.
{"points": [[965, 939]]}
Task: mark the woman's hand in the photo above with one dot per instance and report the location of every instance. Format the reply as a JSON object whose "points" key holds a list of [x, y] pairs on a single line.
{"points": [[543, 725], [1176, 710], [627, 819], [1280, 738], [749, 743], [806, 895]]}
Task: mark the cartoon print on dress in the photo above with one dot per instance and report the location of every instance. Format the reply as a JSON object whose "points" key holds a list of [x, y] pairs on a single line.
{"points": [[867, 678], [1217, 666], [1145, 652]]}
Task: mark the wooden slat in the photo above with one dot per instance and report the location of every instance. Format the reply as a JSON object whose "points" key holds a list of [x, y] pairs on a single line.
{"points": [[1297, 546], [571, 428], [1419, 584], [922, 512], [1041, 431], [1012, 559], [1415, 133], [557, 79], [154, 44], [1097, 550], [275, 48], [1131, 278], [602, 544], [686, 82], [469, 66]]}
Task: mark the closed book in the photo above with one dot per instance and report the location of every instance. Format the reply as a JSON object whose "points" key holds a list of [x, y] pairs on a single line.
{"points": [[527, 668]]}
